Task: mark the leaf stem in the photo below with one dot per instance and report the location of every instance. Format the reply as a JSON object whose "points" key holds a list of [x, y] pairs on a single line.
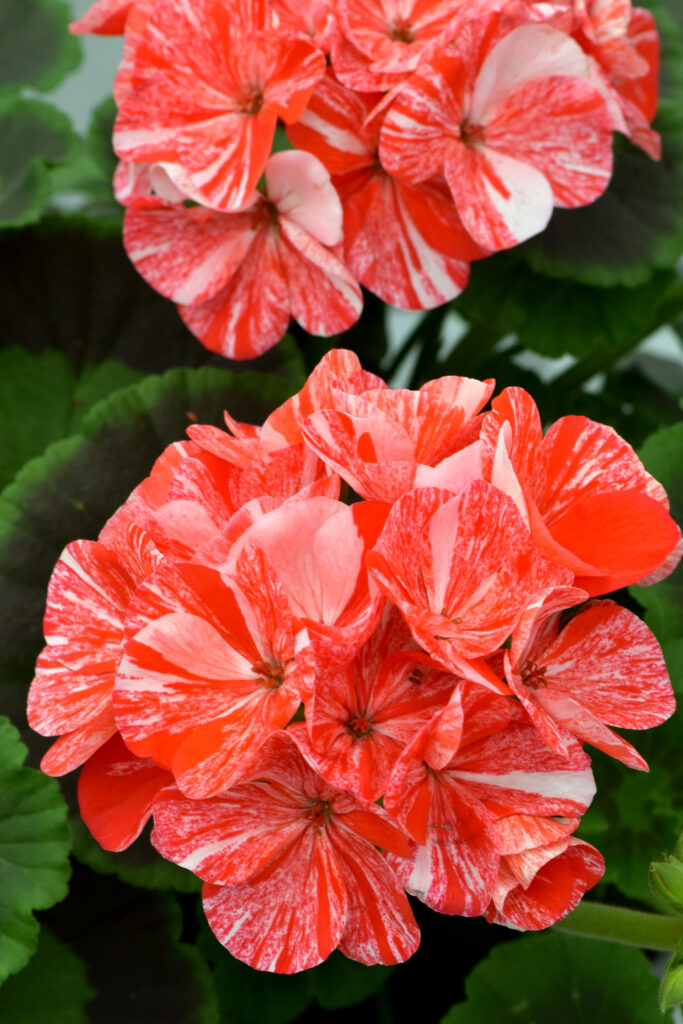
{"points": [[619, 924]]}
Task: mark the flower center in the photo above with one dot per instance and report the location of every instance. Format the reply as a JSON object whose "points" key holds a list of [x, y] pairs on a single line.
{"points": [[401, 31], [262, 214], [319, 813], [534, 677], [359, 726], [272, 676], [250, 100], [471, 133]]}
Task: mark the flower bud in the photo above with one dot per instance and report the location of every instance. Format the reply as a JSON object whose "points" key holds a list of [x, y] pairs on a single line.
{"points": [[666, 881], [671, 988]]}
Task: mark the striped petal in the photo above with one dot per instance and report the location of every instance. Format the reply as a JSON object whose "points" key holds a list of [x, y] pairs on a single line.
{"points": [[608, 660], [209, 85], [323, 294], [573, 114], [380, 927], [405, 243], [502, 201], [463, 587], [288, 917], [251, 314], [104, 18], [188, 255], [201, 689], [74, 748], [555, 890]]}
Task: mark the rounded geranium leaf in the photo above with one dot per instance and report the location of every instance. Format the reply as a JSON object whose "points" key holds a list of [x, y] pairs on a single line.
{"points": [[35, 136], [35, 47], [34, 850], [42, 400], [557, 979], [52, 989], [136, 962]]}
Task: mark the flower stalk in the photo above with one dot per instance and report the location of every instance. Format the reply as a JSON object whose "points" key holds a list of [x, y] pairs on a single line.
{"points": [[621, 924]]}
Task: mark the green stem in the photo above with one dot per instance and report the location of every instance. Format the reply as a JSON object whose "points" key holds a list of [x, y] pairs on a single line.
{"points": [[618, 924]]}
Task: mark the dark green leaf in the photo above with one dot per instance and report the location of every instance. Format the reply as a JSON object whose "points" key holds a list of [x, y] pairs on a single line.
{"points": [[35, 46], [559, 979], [42, 400], [34, 135], [52, 989], [662, 455], [247, 996], [129, 940], [341, 982], [139, 865], [67, 283], [636, 816], [34, 850], [634, 228], [99, 137], [556, 317]]}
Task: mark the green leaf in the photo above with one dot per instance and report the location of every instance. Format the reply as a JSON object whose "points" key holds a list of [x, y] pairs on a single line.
{"points": [[247, 996], [52, 989], [342, 982], [99, 137], [130, 943], [35, 46], [84, 183], [43, 400], [139, 865], [34, 850], [671, 988], [636, 816], [637, 225], [34, 135], [556, 317], [67, 283], [559, 979]]}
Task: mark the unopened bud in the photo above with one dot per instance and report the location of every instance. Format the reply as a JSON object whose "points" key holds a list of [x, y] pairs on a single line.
{"points": [[666, 881], [671, 988]]}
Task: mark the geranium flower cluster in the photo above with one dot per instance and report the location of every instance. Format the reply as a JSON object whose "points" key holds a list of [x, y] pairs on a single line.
{"points": [[425, 134], [327, 705]]}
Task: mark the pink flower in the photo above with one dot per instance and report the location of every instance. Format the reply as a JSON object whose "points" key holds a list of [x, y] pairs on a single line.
{"points": [[588, 501], [604, 667], [404, 242], [238, 277], [482, 110], [210, 82], [291, 867]]}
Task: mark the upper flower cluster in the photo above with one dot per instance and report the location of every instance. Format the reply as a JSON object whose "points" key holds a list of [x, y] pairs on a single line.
{"points": [[325, 705], [426, 134]]}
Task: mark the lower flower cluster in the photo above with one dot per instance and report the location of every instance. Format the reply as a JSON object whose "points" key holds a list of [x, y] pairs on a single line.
{"points": [[325, 706]]}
